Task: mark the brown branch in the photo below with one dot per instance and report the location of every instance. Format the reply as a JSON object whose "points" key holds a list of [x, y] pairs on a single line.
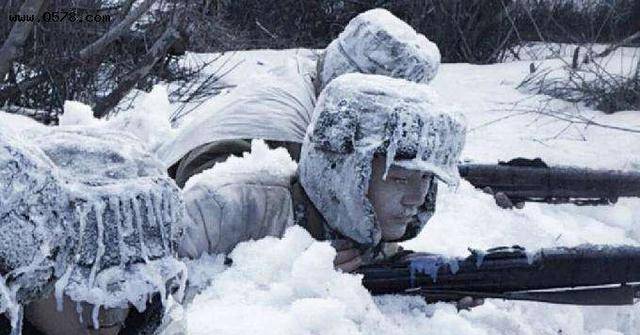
{"points": [[12, 47], [13, 90], [158, 51], [615, 46], [98, 46]]}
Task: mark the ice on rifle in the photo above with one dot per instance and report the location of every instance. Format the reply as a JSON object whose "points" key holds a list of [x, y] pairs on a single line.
{"points": [[430, 265]]}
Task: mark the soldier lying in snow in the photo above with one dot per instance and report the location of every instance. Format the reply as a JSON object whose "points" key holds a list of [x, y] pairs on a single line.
{"points": [[366, 178], [340, 194], [89, 226], [278, 108]]}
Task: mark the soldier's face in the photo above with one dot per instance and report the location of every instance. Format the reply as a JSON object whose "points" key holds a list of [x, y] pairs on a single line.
{"points": [[397, 199]]}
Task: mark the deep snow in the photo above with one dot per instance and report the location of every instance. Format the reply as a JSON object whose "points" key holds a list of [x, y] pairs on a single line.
{"points": [[288, 286]]}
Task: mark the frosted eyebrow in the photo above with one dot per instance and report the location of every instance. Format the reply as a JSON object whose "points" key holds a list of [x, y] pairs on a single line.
{"points": [[399, 171]]}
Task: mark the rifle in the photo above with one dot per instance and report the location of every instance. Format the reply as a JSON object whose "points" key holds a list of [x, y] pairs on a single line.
{"points": [[524, 180], [583, 275]]}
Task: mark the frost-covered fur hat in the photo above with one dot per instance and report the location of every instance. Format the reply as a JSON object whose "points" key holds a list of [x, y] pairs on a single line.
{"points": [[89, 213], [377, 42], [358, 116]]}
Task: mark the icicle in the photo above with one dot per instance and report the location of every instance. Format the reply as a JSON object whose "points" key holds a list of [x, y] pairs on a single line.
{"points": [[392, 147], [60, 285], [453, 265], [79, 312], [11, 306], [143, 247], [158, 282], [183, 281], [16, 324], [155, 200], [114, 203], [428, 265], [98, 210], [94, 316], [530, 256], [479, 257]]}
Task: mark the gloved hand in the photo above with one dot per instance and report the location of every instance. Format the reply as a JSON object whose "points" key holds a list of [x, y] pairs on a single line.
{"points": [[502, 200], [468, 303], [348, 257]]}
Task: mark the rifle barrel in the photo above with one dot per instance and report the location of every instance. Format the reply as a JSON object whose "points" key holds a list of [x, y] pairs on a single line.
{"points": [[508, 270], [522, 182]]}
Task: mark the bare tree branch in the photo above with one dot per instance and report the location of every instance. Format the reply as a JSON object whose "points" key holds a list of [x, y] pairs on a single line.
{"points": [[158, 51], [98, 46], [623, 42], [12, 47]]}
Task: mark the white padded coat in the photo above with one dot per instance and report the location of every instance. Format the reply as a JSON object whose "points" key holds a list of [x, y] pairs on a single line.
{"points": [[238, 200]]}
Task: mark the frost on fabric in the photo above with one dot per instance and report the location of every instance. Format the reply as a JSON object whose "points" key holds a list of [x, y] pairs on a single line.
{"points": [[377, 42], [358, 116], [275, 106], [275, 165], [89, 210]]}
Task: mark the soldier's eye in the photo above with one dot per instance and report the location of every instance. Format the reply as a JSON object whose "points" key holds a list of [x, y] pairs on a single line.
{"points": [[400, 180]]}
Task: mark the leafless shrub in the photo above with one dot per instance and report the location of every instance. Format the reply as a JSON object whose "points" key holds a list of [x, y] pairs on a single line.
{"points": [[549, 107], [590, 83], [99, 63], [194, 89], [477, 31]]}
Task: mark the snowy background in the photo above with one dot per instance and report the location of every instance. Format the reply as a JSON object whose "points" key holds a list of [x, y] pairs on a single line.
{"points": [[288, 286]]}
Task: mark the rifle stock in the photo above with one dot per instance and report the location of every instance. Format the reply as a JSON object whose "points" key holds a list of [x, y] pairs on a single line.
{"points": [[584, 275], [532, 180]]}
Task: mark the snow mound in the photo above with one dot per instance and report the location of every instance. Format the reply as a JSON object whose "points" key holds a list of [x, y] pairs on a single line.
{"points": [[468, 217], [149, 119], [271, 165], [289, 286], [77, 113]]}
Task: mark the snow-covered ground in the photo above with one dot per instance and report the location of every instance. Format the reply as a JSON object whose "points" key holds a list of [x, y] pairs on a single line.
{"points": [[289, 286]]}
